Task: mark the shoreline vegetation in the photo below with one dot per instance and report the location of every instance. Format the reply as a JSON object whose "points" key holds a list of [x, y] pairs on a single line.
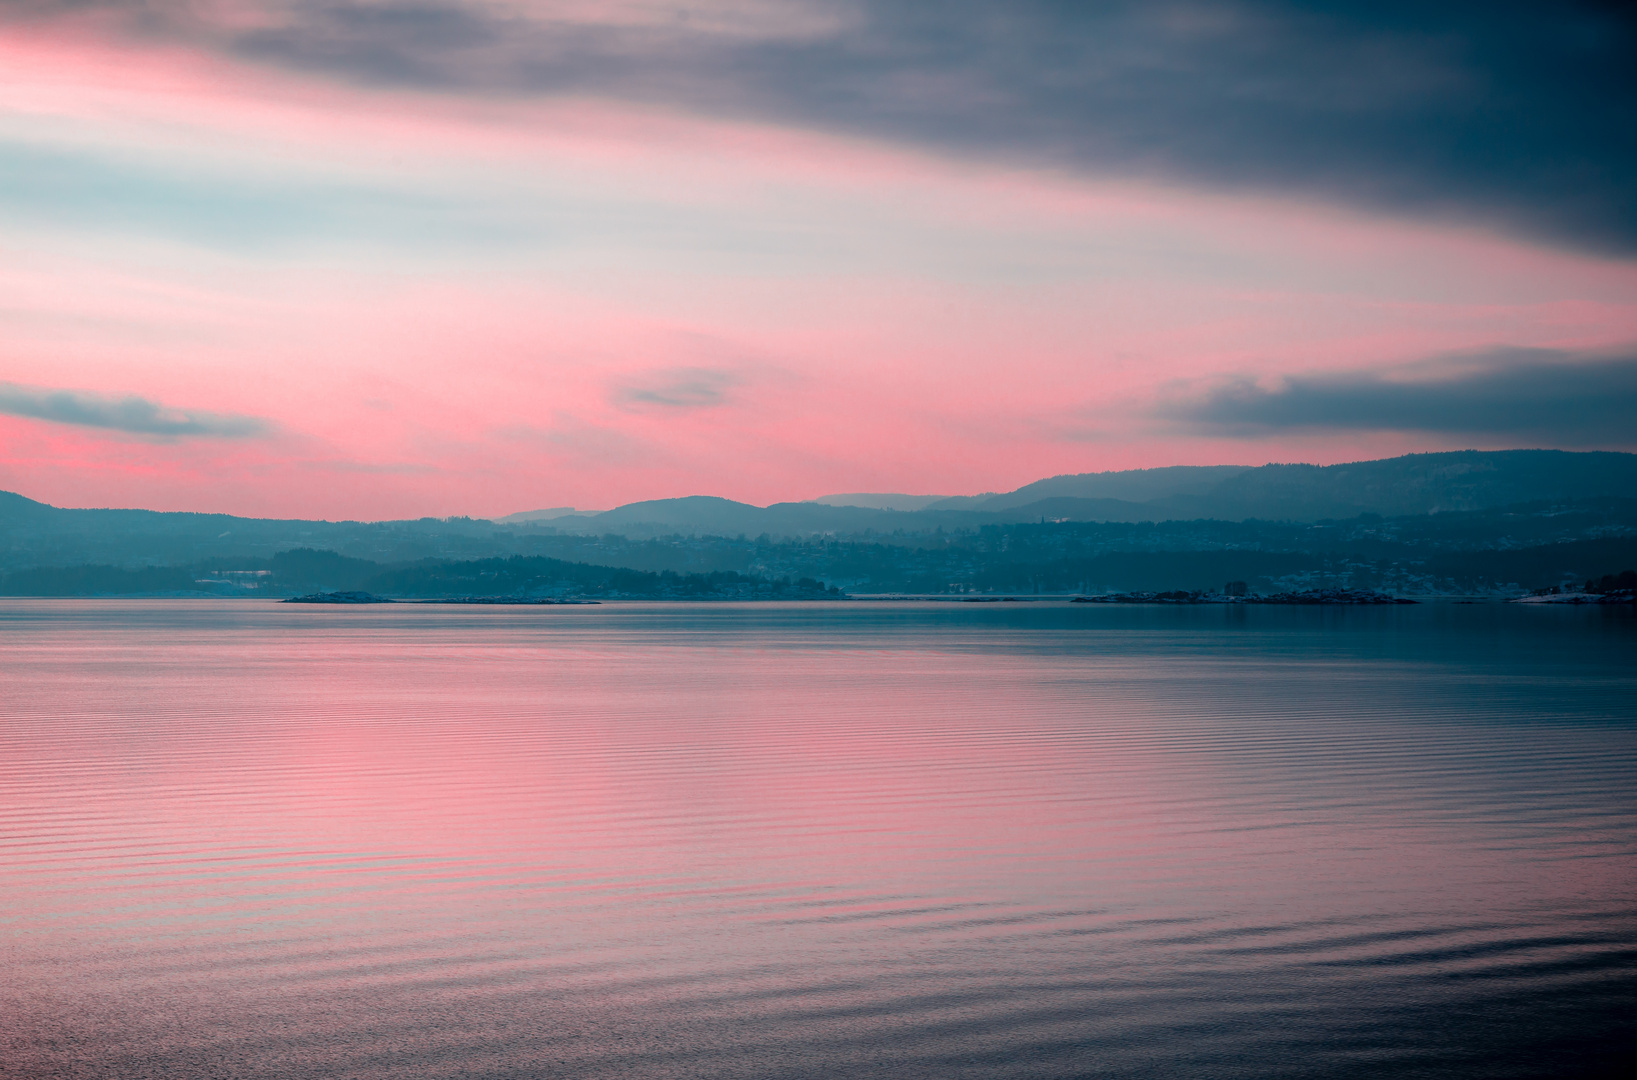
{"points": [[1054, 559], [1612, 589], [545, 582], [1310, 596], [1175, 597]]}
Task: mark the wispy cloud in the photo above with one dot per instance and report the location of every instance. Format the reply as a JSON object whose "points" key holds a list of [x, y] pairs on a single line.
{"points": [[1505, 112], [1559, 398], [678, 388], [130, 414], [120, 192]]}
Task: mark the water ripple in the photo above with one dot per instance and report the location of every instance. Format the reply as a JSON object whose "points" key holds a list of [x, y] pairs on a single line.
{"points": [[820, 840]]}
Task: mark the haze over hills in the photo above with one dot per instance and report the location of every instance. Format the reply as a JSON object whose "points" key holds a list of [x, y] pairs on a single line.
{"points": [[548, 514], [885, 500]]}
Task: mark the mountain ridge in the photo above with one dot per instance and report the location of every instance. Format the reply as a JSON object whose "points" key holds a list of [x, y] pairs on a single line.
{"points": [[1408, 484], [35, 533]]}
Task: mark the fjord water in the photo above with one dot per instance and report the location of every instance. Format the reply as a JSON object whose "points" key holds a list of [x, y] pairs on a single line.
{"points": [[877, 840]]}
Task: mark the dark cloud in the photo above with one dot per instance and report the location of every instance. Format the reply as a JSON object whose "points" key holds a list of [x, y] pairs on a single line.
{"points": [[1522, 115], [1529, 395], [678, 388], [133, 415]]}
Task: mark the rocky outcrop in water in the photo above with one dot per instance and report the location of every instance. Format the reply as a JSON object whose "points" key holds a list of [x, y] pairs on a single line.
{"points": [[1617, 596], [338, 598]]}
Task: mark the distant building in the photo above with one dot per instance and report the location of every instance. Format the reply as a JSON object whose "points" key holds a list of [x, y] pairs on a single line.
{"points": [[1234, 588]]}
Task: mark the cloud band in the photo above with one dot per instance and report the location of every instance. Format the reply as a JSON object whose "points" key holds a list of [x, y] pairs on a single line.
{"points": [[1558, 398], [1502, 112], [130, 414]]}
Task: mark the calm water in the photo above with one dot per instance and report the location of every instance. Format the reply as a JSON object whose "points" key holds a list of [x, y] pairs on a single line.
{"points": [[248, 840]]}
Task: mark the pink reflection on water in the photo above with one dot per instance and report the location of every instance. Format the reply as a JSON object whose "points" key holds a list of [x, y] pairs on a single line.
{"points": [[369, 823]]}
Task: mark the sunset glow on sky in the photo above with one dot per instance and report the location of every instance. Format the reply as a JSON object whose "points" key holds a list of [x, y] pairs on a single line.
{"points": [[372, 260]]}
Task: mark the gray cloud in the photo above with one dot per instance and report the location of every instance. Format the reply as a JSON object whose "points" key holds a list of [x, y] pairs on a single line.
{"points": [[678, 388], [133, 415], [1556, 398], [1519, 114]]}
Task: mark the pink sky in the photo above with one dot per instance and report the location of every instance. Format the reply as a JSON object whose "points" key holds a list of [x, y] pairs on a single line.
{"points": [[369, 303]]}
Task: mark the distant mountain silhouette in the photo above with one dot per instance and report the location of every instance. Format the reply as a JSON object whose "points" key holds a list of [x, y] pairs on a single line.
{"points": [[1423, 524], [35, 534], [15, 507], [548, 514], [1413, 484], [1129, 486], [692, 513]]}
